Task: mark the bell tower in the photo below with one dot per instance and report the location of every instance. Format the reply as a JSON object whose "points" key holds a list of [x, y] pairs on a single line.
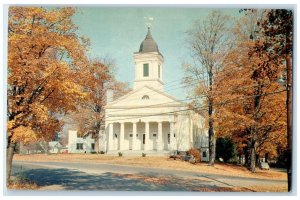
{"points": [[148, 64]]}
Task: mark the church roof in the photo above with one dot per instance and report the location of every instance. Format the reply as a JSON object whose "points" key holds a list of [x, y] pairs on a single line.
{"points": [[148, 45]]}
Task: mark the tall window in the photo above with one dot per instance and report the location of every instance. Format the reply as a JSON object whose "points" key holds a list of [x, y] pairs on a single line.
{"points": [[93, 146], [158, 71], [146, 69]]}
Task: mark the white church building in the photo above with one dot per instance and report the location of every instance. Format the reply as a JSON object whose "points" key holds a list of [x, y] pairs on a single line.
{"points": [[147, 119]]}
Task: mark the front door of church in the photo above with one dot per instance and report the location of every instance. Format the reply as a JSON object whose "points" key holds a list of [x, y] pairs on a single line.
{"points": [[143, 141], [130, 141], [116, 141], [154, 138]]}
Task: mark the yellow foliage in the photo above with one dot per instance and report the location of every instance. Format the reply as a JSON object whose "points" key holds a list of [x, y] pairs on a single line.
{"points": [[24, 134], [46, 59], [235, 93]]}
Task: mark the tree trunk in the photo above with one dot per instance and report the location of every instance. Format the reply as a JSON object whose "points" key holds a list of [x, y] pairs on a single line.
{"points": [[257, 160], [252, 158], [97, 143], [267, 157], [254, 130], [47, 147], [97, 150], [9, 157], [247, 159], [212, 146], [289, 118], [97, 140], [211, 134]]}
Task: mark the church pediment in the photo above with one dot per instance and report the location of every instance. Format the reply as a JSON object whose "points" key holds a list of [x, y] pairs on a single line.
{"points": [[145, 96]]}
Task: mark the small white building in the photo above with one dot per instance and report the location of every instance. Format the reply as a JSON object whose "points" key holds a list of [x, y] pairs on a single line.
{"points": [[147, 118], [85, 144]]}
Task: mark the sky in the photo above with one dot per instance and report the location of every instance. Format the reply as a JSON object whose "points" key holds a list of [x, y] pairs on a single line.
{"points": [[118, 32]]}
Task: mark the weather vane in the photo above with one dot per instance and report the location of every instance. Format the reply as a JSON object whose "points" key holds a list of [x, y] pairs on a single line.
{"points": [[149, 21]]}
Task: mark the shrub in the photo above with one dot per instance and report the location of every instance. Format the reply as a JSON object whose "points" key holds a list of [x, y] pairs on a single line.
{"points": [[22, 185], [225, 149], [233, 160], [143, 155], [102, 152], [120, 154], [21, 182], [192, 160], [196, 153]]}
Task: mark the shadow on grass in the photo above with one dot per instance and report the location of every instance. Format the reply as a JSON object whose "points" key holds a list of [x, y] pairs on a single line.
{"points": [[77, 180]]}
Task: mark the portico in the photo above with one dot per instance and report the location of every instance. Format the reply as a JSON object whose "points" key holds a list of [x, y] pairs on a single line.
{"points": [[141, 135]]}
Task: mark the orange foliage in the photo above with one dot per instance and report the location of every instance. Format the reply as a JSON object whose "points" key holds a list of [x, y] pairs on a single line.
{"points": [[250, 108], [98, 78], [196, 153], [45, 60]]}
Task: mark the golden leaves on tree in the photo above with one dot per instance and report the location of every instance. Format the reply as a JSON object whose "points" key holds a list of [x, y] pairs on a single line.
{"points": [[250, 108], [45, 58]]}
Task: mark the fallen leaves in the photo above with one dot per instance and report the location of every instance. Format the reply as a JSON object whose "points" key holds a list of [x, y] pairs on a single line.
{"points": [[148, 179], [22, 185], [156, 162]]}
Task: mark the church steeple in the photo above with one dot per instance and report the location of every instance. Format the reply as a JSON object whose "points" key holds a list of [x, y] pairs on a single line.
{"points": [[148, 45], [148, 64]]}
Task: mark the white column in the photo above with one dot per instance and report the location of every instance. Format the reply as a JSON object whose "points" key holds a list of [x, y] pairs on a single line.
{"points": [[122, 130], [172, 138], [159, 137], [147, 136], [134, 136], [110, 136]]}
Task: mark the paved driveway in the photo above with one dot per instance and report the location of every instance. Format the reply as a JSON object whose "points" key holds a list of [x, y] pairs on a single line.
{"points": [[111, 177]]}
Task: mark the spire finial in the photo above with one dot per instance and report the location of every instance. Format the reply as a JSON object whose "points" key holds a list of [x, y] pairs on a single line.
{"points": [[149, 21]]}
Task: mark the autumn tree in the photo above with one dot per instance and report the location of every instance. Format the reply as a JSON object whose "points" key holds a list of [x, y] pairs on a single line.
{"points": [[89, 116], [208, 41], [277, 34], [45, 59], [250, 101]]}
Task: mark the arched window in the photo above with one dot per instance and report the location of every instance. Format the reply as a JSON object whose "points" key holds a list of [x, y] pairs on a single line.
{"points": [[145, 97]]}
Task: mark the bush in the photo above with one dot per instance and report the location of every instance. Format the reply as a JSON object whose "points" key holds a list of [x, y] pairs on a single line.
{"points": [[225, 149], [22, 185], [21, 182], [120, 154], [102, 152], [196, 153]]}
